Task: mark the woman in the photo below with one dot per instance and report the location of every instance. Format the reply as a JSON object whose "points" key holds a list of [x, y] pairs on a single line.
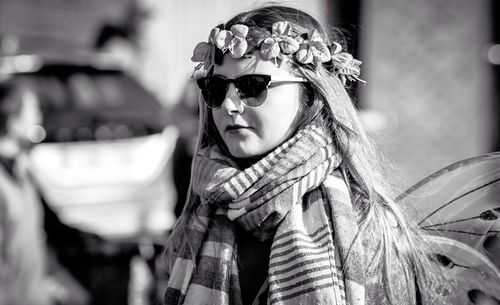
{"points": [[22, 252], [287, 204], [29, 271]]}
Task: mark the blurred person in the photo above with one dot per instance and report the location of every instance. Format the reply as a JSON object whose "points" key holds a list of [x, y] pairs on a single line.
{"points": [[288, 203], [128, 28], [30, 273], [23, 257], [120, 41]]}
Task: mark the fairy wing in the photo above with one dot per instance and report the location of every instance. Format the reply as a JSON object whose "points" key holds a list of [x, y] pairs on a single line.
{"points": [[459, 206]]}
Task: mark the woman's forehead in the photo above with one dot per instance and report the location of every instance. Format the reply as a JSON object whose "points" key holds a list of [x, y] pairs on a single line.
{"points": [[255, 64]]}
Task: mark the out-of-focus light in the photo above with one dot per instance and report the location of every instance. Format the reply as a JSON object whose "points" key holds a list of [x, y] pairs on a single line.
{"points": [[36, 134], [493, 54], [103, 133], [83, 134], [373, 120], [26, 63], [122, 132]]}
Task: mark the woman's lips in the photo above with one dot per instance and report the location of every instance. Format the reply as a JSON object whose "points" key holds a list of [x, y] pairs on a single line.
{"points": [[236, 129], [230, 128]]}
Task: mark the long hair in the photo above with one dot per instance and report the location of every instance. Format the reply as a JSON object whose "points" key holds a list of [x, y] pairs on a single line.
{"points": [[328, 103]]}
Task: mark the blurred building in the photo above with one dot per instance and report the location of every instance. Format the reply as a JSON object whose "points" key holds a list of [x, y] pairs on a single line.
{"points": [[428, 96], [54, 25]]}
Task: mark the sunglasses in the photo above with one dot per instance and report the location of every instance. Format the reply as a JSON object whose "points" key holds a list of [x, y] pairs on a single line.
{"points": [[249, 88]]}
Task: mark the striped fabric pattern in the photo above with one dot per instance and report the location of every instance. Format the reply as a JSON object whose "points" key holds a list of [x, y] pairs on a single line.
{"points": [[304, 259], [292, 195]]}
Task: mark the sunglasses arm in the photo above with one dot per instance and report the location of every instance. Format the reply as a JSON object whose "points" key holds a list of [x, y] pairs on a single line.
{"points": [[285, 79]]}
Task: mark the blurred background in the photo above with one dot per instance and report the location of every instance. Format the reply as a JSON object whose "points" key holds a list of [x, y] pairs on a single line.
{"points": [[431, 66], [112, 79]]}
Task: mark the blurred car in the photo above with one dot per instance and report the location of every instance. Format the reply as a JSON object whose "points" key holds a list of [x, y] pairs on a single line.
{"points": [[102, 163], [104, 147]]}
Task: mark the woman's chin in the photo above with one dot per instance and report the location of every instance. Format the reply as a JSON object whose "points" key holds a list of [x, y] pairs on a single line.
{"points": [[245, 150], [242, 153]]}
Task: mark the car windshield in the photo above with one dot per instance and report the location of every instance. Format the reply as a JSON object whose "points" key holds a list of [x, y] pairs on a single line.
{"points": [[78, 102]]}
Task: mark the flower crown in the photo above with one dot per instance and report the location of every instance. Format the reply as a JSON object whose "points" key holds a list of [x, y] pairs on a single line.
{"points": [[307, 48]]}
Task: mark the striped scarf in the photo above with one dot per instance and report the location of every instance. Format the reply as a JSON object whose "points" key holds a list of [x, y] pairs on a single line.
{"points": [[294, 195]]}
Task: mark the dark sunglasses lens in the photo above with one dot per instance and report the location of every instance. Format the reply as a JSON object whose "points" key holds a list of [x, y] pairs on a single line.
{"points": [[252, 86], [213, 90]]}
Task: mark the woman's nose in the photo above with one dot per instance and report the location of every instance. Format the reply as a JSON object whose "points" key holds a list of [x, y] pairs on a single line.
{"points": [[232, 102]]}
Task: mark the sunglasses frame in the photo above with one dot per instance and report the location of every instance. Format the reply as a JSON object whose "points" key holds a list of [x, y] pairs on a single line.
{"points": [[269, 78]]}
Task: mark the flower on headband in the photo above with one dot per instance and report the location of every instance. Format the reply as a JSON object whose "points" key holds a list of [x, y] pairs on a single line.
{"points": [[347, 67], [204, 52], [280, 44], [233, 40], [313, 50]]}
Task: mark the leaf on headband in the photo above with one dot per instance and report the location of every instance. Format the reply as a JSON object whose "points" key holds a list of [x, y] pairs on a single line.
{"points": [[204, 50], [213, 34], [320, 51], [348, 68], [280, 42], [270, 48], [239, 30], [343, 59], [304, 55], [335, 48], [289, 45], [201, 52], [281, 28], [350, 71], [313, 49], [238, 45], [233, 40], [222, 39], [239, 48]]}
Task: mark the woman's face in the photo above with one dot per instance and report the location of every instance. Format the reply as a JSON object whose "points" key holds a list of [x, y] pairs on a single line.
{"points": [[253, 131]]}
